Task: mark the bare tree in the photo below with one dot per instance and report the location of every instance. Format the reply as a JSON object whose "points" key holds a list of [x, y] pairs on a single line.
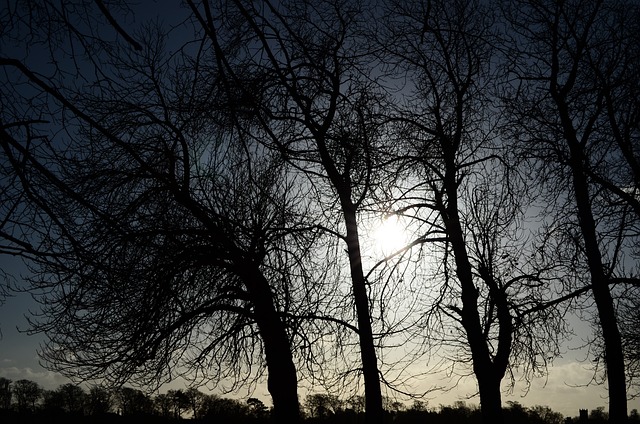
{"points": [[323, 406], [195, 399], [468, 195], [163, 405], [99, 400], [5, 393], [316, 106], [132, 402], [162, 241], [196, 209], [572, 63], [629, 321], [26, 394], [46, 36]]}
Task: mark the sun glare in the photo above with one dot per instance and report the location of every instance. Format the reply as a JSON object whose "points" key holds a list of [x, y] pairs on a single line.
{"points": [[390, 236]]}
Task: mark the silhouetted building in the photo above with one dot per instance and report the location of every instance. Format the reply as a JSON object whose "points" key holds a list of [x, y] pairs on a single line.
{"points": [[584, 415]]}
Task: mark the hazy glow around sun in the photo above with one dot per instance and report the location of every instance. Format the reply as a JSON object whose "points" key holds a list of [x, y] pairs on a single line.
{"points": [[390, 236]]}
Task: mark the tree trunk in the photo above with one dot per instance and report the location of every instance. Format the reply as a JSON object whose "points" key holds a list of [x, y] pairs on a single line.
{"points": [[374, 412], [488, 375], [282, 381], [614, 358], [490, 396]]}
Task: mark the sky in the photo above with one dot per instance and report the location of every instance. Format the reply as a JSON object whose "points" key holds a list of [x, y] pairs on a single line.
{"points": [[565, 389]]}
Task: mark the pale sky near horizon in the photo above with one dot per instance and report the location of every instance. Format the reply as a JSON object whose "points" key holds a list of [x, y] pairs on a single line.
{"points": [[564, 389]]}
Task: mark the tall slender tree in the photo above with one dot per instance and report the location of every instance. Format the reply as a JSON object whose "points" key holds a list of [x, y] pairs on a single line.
{"points": [[462, 185], [569, 58]]}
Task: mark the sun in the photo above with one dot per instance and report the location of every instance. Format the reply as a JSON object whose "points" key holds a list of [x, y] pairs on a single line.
{"points": [[390, 236]]}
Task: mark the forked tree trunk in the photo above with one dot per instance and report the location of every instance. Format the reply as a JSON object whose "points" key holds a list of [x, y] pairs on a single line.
{"points": [[282, 381], [488, 373]]}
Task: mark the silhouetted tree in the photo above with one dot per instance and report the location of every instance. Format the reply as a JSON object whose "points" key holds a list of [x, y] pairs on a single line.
{"points": [[598, 415], [26, 394], [484, 285], [544, 414], [99, 400], [222, 409], [132, 402], [459, 411], [258, 409], [322, 405], [164, 405], [165, 221], [51, 403], [179, 402], [515, 412], [73, 398], [629, 322], [573, 62], [194, 399], [38, 33], [5, 393], [190, 200], [317, 107]]}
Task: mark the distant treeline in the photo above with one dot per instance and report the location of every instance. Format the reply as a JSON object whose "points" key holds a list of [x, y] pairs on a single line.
{"points": [[25, 401]]}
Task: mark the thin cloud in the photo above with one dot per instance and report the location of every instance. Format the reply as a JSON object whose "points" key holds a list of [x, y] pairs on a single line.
{"points": [[47, 379]]}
